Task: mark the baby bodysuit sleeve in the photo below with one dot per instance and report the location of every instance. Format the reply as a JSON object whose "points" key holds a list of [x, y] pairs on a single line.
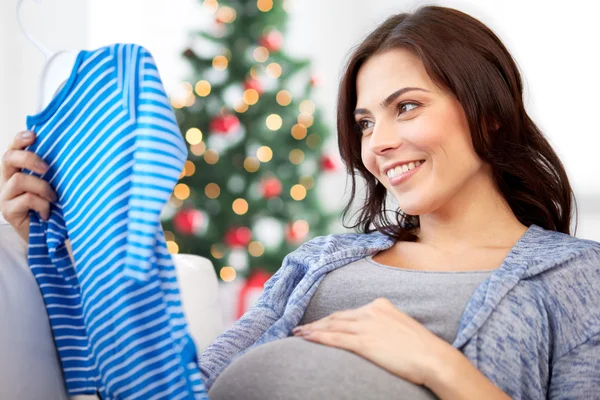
{"points": [[159, 157]]}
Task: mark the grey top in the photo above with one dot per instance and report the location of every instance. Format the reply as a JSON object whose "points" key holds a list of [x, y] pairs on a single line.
{"points": [[294, 368]]}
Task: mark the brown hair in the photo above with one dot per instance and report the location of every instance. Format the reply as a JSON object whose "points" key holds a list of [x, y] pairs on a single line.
{"points": [[464, 57]]}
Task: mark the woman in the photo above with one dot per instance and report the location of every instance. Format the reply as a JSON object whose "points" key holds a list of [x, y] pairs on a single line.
{"points": [[474, 290]]}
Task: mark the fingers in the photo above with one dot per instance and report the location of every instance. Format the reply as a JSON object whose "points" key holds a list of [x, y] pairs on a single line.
{"points": [[14, 160], [18, 208], [21, 183]]}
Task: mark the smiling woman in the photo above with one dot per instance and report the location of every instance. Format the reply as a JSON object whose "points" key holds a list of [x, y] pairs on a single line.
{"points": [[475, 290]]}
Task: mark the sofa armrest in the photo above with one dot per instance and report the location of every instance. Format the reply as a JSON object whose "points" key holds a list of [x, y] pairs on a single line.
{"points": [[199, 289]]}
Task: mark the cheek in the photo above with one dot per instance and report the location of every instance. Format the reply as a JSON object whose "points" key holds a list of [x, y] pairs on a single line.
{"points": [[368, 159]]}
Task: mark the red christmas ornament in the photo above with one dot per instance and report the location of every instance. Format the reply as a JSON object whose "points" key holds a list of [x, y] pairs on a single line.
{"points": [[225, 124], [187, 221], [328, 163], [238, 237], [255, 84], [271, 187], [251, 290], [295, 233], [315, 81], [272, 41]]}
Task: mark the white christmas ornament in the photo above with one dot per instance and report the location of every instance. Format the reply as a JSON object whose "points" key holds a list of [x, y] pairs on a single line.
{"points": [[268, 231], [238, 259]]}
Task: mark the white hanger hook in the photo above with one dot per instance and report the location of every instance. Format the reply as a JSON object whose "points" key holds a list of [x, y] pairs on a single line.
{"points": [[37, 44]]}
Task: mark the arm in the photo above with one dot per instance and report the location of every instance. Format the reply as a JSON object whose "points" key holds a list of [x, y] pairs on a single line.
{"points": [[576, 375], [454, 377], [252, 325]]}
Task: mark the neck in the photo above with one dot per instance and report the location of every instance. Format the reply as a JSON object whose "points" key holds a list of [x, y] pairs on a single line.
{"points": [[478, 217]]}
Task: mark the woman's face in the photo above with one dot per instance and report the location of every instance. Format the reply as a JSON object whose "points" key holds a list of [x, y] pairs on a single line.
{"points": [[401, 125]]}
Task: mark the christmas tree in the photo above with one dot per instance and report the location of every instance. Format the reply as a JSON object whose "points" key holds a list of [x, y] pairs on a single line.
{"points": [[247, 197]]}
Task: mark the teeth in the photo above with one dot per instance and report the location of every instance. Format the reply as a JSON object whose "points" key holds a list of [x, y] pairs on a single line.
{"points": [[402, 169]]}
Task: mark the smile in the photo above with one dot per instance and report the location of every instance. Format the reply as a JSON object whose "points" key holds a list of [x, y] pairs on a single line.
{"points": [[401, 173]]}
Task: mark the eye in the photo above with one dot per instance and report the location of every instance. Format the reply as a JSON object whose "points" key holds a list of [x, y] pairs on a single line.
{"points": [[400, 106], [363, 124]]}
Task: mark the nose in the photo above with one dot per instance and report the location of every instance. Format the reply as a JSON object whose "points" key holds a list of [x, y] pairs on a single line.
{"points": [[384, 137]]}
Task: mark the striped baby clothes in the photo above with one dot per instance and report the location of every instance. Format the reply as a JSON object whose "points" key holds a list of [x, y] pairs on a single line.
{"points": [[115, 153]]}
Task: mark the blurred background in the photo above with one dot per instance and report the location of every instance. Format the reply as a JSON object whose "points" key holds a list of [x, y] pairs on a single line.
{"points": [[554, 44]]}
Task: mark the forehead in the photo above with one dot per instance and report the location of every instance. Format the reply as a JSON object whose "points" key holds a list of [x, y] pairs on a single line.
{"points": [[387, 72]]}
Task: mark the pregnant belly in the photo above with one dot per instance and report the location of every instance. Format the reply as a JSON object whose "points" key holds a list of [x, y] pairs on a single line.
{"points": [[294, 368]]}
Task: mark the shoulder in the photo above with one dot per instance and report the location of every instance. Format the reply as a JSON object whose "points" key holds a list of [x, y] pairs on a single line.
{"points": [[564, 280], [341, 244]]}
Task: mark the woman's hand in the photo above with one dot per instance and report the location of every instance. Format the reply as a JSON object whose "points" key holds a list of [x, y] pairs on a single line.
{"points": [[396, 342], [20, 192], [384, 335]]}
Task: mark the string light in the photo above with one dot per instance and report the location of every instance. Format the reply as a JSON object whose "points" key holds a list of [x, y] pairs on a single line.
{"points": [[217, 251], [301, 227], [299, 131], [193, 136], [284, 98], [250, 96], [298, 192], [264, 154], [274, 122], [305, 119], [198, 149], [251, 164], [274, 70], [220, 63], [256, 249], [190, 101], [241, 107], [203, 88], [264, 5], [226, 14], [181, 191], [172, 247], [189, 168], [240, 206], [307, 107], [227, 274], [313, 140], [177, 103], [296, 156], [212, 190], [211, 5], [261, 54], [211, 156], [181, 99]]}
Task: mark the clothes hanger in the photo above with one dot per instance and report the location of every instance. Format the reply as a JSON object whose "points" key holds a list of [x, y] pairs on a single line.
{"points": [[56, 70]]}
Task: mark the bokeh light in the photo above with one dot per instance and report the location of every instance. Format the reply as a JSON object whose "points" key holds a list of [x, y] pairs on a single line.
{"points": [[274, 122], [284, 98], [212, 190], [264, 154]]}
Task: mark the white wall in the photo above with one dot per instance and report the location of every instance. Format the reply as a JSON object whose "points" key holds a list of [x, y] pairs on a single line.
{"points": [[554, 45], [58, 24]]}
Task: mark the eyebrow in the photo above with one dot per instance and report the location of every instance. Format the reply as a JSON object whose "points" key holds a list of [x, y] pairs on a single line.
{"points": [[390, 99]]}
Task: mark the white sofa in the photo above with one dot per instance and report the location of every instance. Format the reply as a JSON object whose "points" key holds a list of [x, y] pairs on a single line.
{"points": [[29, 366]]}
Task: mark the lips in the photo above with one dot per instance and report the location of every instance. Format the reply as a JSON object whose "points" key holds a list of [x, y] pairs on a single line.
{"points": [[400, 171], [402, 177]]}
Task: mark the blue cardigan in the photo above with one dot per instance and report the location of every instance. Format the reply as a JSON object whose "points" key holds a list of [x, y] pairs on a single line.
{"points": [[533, 327]]}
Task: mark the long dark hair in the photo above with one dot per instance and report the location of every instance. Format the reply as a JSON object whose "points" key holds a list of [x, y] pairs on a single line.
{"points": [[464, 57]]}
